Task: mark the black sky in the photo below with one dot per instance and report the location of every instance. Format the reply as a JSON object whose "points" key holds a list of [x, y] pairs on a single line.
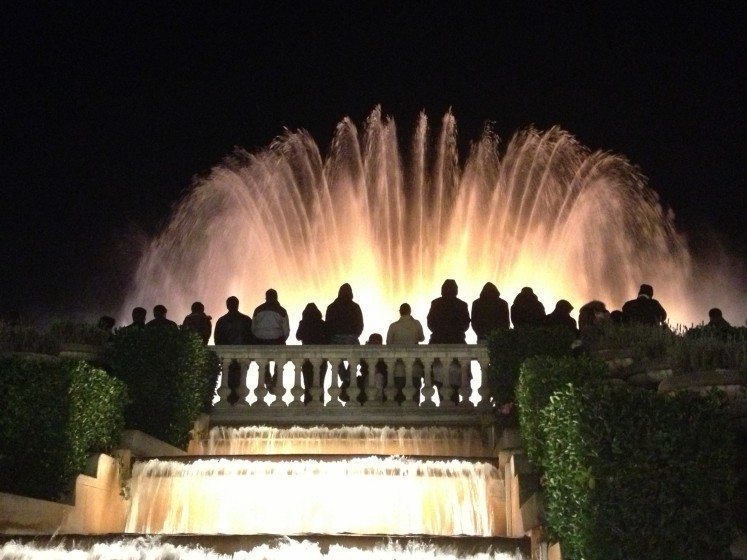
{"points": [[109, 110]]}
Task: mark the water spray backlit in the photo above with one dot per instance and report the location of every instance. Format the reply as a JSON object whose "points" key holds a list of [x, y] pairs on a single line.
{"points": [[541, 211]]}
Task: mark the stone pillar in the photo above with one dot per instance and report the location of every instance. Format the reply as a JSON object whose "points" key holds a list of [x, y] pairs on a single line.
{"points": [[297, 389], [261, 390], [242, 391], [223, 390], [279, 390], [428, 389]]}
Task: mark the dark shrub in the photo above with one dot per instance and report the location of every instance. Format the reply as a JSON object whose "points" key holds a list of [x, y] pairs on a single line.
{"points": [[26, 338], [630, 473], [540, 377], [509, 348], [170, 376], [55, 413]]}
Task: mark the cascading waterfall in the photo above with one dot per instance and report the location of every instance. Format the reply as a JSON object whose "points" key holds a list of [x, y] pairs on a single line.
{"points": [[374, 496], [541, 211], [265, 440]]}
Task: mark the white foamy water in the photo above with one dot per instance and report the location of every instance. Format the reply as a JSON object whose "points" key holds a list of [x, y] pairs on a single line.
{"points": [[285, 549], [368, 496], [360, 440]]}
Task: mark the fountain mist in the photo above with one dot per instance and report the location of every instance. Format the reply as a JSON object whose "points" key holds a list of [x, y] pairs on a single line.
{"points": [[544, 211]]}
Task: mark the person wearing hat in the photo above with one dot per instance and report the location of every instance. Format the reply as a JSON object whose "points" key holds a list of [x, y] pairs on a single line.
{"points": [[644, 309], [561, 316]]}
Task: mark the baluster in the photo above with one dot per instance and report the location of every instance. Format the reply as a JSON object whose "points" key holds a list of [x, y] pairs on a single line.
{"points": [[242, 391], [297, 390], [450, 372], [261, 390], [484, 390], [334, 389], [465, 389], [409, 389], [223, 390], [373, 392], [279, 389], [390, 391], [317, 386], [428, 389], [354, 392]]}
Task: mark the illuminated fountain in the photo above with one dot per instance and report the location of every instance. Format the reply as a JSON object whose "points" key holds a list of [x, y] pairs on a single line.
{"points": [[541, 211]]}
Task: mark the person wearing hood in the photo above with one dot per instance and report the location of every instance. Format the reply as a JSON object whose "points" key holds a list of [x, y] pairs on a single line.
{"points": [[489, 312], [644, 309], [527, 310], [312, 330], [448, 320], [561, 316], [344, 325], [448, 317]]}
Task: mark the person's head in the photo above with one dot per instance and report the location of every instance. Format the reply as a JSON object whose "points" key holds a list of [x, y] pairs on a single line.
{"points": [[490, 291], [564, 306], [405, 309], [617, 317], [375, 338], [345, 292], [232, 303], [715, 313], [311, 311], [527, 291], [449, 288], [197, 307], [159, 311], [646, 290], [271, 295], [138, 315]]}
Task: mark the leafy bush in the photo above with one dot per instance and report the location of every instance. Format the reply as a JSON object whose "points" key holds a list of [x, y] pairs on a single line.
{"points": [[630, 473], [55, 413], [170, 376], [25, 338], [65, 331], [707, 348], [540, 377], [509, 348], [646, 342]]}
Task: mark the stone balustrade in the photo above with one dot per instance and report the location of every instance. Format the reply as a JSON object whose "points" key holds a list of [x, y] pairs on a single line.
{"points": [[247, 399]]}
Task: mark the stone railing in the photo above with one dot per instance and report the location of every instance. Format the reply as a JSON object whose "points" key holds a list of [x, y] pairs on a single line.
{"points": [[244, 397]]}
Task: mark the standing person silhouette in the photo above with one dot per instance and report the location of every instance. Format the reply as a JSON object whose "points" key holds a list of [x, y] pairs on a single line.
{"points": [[644, 309], [344, 325], [270, 325], [233, 328], [448, 320], [489, 312]]}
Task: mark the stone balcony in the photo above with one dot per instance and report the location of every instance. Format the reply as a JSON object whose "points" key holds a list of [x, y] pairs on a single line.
{"points": [[462, 364]]}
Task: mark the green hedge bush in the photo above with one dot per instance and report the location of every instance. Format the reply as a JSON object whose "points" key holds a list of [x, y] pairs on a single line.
{"points": [[55, 413], [630, 473], [509, 348], [170, 376], [540, 377], [646, 343], [708, 348]]}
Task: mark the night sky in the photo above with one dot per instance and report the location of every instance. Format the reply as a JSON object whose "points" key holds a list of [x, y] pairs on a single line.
{"points": [[108, 112]]}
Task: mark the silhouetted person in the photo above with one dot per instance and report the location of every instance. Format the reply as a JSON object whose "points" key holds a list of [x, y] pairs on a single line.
{"points": [[380, 369], [344, 325], [716, 319], [138, 318], [106, 323], [593, 313], [160, 320], [489, 312], [561, 316], [616, 317], [406, 331], [448, 320], [448, 317], [199, 322], [644, 309], [233, 328], [270, 326], [312, 330], [527, 310]]}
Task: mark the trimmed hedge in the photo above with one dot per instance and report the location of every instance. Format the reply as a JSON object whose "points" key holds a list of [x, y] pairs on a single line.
{"points": [[540, 377], [708, 348], [55, 414], [509, 348], [630, 473], [170, 376], [646, 342]]}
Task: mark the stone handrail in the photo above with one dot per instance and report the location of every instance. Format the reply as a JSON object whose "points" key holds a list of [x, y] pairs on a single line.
{"points": [[451, 364]]}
